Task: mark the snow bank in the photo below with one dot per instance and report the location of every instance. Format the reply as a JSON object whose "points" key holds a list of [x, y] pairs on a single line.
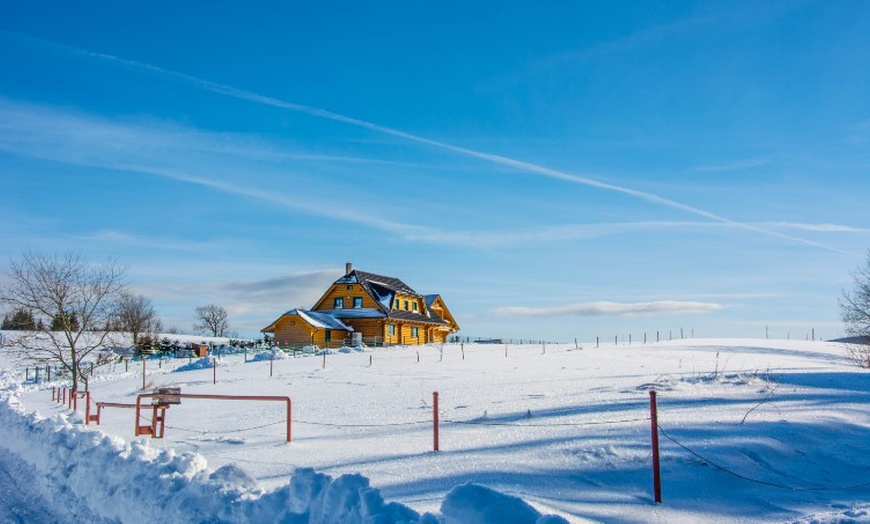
{"points": [[93, 477], [269, 354], [202, 363]]}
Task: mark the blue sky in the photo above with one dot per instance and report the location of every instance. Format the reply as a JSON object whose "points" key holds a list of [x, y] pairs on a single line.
{"points": [[552, 169]]}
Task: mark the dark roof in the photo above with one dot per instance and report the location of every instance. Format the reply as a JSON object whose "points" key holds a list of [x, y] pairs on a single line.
{"points": [[354, 313], [417, 317], [383, 290]]}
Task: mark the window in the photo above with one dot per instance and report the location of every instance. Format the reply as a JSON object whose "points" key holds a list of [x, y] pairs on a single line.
{"points": [[391, 330], [338, 303], [357, 302], [415, 306], [350, 288], [406, 305], [415, 332]]}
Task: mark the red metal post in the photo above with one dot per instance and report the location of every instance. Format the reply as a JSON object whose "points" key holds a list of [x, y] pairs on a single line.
{"points": [[289, 418], [53, 393], [63, 400], [435, 417], [654, 426], [87, 407]]}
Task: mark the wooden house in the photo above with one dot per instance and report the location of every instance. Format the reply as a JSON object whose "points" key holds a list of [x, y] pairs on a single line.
{"points": [[366, 308]]}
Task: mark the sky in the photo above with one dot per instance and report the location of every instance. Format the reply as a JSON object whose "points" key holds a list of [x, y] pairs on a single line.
{"points": [[552, 169]]}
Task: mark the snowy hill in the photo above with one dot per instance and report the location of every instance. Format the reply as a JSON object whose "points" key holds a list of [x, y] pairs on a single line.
{"points": [[751, 431]]}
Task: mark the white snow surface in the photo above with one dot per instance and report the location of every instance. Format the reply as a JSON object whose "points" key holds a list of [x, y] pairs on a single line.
{"points": [[751, 431]]}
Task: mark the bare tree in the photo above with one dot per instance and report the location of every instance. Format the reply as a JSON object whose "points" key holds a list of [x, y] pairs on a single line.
{"points": [[78, 297], [136, 315], [855, 303], [212, 318], [855, 312]]}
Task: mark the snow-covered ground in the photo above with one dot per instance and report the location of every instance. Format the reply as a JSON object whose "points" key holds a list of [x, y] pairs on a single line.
{"points": [[752, 431]]}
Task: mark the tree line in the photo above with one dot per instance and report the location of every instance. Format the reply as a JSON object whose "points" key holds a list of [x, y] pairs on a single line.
{"points": [[68, 309]]}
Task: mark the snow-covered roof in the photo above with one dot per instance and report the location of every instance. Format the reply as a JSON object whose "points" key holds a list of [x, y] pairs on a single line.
{"points": [[354, 313], [322, 320], [317, 319]]}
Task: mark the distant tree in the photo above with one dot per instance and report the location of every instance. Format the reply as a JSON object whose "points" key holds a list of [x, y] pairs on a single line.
{"points": [[64, 321], [137, 316], [20, 320], [78, 298], [855, 312], [212, 319]]}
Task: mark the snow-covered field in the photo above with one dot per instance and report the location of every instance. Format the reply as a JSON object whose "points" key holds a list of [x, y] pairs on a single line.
{"points": [[752, 431]]}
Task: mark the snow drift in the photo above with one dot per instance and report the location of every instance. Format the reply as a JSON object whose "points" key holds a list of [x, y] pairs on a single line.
{"points": [[95, 477]]}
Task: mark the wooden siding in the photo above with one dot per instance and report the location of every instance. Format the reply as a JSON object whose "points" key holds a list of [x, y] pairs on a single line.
{"points": [[291, 329], [341, 291]]}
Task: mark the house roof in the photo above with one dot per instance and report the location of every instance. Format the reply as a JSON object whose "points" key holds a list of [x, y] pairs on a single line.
{"points": [[317, 319], [430, 299], [411, 316], [382, 289], [354, 313]]}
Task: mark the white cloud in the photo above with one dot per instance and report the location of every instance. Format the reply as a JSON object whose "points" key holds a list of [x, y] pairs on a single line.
{"points": [[621, 309], [819, 228]]}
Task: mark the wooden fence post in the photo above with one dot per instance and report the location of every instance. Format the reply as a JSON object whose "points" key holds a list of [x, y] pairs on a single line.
{"points": [[654, 426], [435, 418]]}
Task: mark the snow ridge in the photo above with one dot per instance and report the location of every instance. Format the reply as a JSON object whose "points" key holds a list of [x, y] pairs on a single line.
{"points": [[98, 478]]}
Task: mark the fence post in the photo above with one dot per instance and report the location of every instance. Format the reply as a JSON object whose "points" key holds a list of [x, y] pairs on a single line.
{"points": [[323, 366], [214, 369], [87, 408], [462, 347], [289, 417], [654, 426], [271, 362], [596, 342], [435, 417]]}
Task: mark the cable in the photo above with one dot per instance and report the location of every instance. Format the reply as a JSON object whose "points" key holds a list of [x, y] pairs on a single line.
{"points": [[328, 424], [239, 430], [555, 424], [756, 481]]}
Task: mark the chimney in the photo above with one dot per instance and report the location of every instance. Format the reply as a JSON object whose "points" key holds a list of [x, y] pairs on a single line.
{"points": [[348, 268]]}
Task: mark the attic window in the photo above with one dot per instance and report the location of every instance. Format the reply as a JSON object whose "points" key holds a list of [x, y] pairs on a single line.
{"points": [[415, 306], [406, 305], [338, 303], [357, 302], [350, 288]]}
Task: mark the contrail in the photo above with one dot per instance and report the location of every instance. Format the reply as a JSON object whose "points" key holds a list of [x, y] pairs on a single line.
{"points": [[250, 96]]}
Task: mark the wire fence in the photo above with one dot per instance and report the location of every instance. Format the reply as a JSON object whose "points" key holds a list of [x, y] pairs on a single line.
{"points": [[444, 418]]}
